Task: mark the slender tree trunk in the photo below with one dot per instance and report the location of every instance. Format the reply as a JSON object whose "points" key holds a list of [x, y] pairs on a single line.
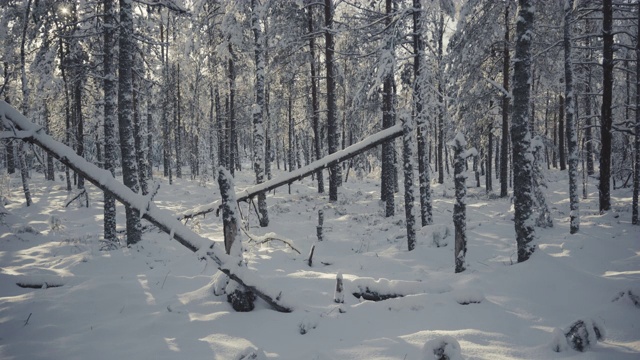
{"points": [[460, 207], [572, 136], [315, 106], [178, 125], [387, 182], [258, 129], [231, 115], [520, 136], [604, 188], [636, 174], [504, 148], [24, 171], [47, 121], [407, 161], [332, 118], [110, 108], [125, 117], [420, 116], [488, 175], [166, 143], [561, 135]]}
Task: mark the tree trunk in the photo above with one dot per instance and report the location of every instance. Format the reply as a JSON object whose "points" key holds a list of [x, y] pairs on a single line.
{"points": [[125, 117], [636, 174], [460, 207], [504, 148], [387, 182], [315, 106], [258, 130], [520, 136], [572, 136], [604, 188], [561, 135], [489, 172], [231, 116], [332, 118], [110, 108], [407, 161], [24, 171], [177, 131]]}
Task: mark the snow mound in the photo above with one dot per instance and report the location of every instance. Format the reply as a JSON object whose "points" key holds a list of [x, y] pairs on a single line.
{"points": [[435, 235], [442, 348]]}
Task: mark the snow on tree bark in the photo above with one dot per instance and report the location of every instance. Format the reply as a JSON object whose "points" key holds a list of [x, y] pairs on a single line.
{"points": [[460, 207], [544, 215], [504, 147], [636, 174], [520, 136], [24, 172], [335, 173], [315, 106], [408, 166], [572, 136], [387, 179], [421, 116], [258, 130], [110, 107], [606, 116], [125, 117]]}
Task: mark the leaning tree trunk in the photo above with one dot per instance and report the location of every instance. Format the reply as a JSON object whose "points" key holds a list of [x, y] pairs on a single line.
{"points": [[125, 118], [572, 136], [604, 188], [520, 135], [258, 129]]}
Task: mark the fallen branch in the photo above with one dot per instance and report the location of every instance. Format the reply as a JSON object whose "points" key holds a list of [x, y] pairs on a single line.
{"points": [[267, 238], [162, 219], [83, 192], [326, 162], [34, 285]]}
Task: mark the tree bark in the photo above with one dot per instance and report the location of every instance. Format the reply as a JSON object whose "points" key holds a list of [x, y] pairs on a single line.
{"points": [[110, 107], [572, 136], [520, 136], [606, 120], [332, 116], [387, 181], [636, 174], [125, 117], [504, 148], [407, 162]]}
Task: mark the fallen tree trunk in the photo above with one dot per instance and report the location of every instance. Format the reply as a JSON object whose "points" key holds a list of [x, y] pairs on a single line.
{"points": [[29, 132], [327, 161]]}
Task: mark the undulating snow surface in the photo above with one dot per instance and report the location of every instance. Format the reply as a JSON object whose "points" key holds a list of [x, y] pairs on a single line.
{"points": [[156, 300]]}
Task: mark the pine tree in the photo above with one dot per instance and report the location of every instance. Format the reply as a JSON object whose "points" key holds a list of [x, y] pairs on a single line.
{"points": [[335, 174], [408, 166], [388, 118], [606, 116]]}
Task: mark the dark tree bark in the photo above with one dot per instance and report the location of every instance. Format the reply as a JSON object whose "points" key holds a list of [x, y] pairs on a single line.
{"points": [[420, 116], [387, 181], [335, 173], [489, 172], [407, 164], [460, 207], [110, 108], [520, 136], [561, 135], [125, 117], [504, 148], [315, 105], [24, 171], [231, 115], [606, 120], [636, 175], [572, 136], [177, 123]]}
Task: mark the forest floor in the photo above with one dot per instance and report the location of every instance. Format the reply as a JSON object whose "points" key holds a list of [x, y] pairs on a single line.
{"points": [[155, 300]]}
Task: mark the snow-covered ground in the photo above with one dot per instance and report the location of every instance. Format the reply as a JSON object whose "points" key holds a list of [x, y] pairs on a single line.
{"points": [[155, 300]]}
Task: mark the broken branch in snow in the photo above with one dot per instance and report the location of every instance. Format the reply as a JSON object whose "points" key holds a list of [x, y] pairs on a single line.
{"points": [[160, 218], [269, 237], [326, 162], [79, 194]]}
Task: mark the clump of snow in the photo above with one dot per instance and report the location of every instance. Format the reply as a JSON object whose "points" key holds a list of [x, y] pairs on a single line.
{"points": [[443, 347], [468, 296], [437, 235]]}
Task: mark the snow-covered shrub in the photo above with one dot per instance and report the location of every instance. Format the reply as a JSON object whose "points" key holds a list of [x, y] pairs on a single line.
{"points": [[442, 348], [307, 325], [251, 353], [631, 295], [580, 336], [55, 224], [468, 296]]}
